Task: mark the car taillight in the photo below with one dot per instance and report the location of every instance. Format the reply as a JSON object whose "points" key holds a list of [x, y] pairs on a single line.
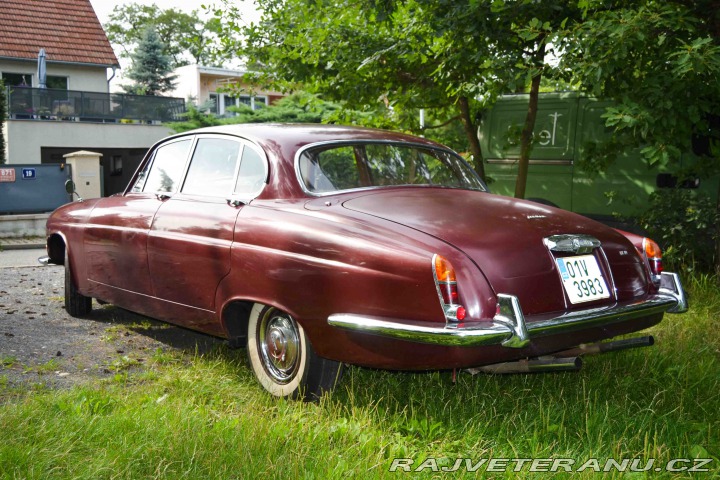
{"points": [[447, 288], [653, 255]]}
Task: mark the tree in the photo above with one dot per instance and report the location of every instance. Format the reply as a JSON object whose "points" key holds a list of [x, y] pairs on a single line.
{"points": [[660, 62], [150, 68], [3, 115], [187, 38], [427, 54]]}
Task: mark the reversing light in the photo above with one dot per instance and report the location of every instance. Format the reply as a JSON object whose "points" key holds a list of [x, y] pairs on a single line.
{"points": [[447, 288], [653, 255]]}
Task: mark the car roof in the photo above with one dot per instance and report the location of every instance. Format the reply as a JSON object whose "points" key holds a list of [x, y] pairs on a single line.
{"points": [[281, 142], [303, 134]]}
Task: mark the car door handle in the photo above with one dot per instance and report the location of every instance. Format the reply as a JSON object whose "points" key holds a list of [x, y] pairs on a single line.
{"points": [[233, 202], [162, 196]]}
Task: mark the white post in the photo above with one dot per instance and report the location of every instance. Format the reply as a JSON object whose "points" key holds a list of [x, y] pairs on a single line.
{"points": [[85, 172]]}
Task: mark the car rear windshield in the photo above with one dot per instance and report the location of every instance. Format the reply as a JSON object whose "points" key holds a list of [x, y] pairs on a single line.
{"points": [[331, 168]]}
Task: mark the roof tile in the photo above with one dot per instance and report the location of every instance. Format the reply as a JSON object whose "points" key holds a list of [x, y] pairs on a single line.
{"points": [[68, 30]]}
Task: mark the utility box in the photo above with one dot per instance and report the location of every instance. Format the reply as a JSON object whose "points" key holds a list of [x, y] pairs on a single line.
{"points": [[33, 188], [86, 172]]}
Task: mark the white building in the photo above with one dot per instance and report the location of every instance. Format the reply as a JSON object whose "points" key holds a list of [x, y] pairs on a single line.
{"points": [[204, 86], [75, 111]]}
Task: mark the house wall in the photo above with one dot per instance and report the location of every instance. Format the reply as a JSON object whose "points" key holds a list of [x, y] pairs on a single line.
{"points": [[80, 77], [186, 85], [26, 138], [198, 83]]}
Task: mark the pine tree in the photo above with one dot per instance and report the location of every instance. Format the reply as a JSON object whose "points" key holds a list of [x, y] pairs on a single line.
{"points": [[151, 68]]}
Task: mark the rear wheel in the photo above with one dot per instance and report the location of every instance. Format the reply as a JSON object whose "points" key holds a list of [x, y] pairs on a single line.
{"points": [[76, 304], [282, 358]]}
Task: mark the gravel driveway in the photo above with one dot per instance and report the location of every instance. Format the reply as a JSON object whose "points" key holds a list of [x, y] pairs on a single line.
{"points": [[41, 344]]}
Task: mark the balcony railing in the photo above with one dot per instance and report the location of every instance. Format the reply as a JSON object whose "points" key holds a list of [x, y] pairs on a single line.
{"points": [[53, 104]]}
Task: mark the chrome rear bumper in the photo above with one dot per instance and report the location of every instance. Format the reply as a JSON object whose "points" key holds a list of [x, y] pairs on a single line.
{"points": [[509, 328]]}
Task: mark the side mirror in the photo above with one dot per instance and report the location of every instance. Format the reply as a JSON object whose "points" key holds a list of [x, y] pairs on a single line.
{"points": [[70, 188]]}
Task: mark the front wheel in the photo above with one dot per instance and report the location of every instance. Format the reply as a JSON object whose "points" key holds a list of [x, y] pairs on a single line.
{"points": [[76, 304], [282, 358]]}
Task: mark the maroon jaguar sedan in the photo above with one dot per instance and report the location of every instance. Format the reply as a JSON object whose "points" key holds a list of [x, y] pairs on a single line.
{"points": [[320, 245]]}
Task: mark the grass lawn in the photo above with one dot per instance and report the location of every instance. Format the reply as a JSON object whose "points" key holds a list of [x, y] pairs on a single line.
{"points": [[206, 417]]}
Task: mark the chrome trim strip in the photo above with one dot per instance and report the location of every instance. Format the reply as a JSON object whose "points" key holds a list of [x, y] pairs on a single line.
{"points": [[572, 243], [511, 315], [424, 332], [670, 284], [509, 327]]}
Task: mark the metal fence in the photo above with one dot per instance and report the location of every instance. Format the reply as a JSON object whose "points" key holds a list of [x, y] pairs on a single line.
{"points": [[55, 104]]}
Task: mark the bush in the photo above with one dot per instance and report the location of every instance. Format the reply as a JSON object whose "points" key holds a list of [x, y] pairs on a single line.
{"points": [[684, 223]]}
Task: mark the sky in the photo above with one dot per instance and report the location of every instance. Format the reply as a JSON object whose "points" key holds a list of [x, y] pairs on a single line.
{"points": [[103, 8]]}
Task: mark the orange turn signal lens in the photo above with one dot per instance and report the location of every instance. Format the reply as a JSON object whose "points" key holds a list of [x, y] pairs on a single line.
{"points": [[653, 254], [444, 270], [652, 249]]}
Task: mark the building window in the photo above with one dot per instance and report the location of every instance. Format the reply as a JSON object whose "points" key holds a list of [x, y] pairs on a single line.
{"points": [[229, 101], [116, 165], [253, 102], [17, 79], [213, 107], [59, 83]]}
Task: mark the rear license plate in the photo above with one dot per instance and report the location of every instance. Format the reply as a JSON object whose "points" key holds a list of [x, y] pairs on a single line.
{"points": [[582, 278]]}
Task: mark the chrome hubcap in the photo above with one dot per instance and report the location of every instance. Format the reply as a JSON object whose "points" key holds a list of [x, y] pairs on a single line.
{"points": [[279, 342]]}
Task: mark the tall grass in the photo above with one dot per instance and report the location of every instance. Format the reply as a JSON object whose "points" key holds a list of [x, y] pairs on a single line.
{"points": [[206, 417]]}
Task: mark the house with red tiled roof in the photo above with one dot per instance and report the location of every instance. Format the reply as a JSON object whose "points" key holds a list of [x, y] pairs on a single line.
{"points": [[65, 105], [68, 30]]}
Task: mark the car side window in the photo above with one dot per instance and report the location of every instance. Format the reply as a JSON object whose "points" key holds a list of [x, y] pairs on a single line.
{"points": [[212, 168], [165, 171], [252, 175], [331, 169]]}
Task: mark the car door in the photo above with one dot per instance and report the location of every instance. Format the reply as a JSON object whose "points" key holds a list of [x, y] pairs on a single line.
{"points": [[116, 234], [192, 233]]}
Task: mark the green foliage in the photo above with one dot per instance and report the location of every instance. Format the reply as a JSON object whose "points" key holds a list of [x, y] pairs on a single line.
{"points": [[3, 117], [659, 61], [451, 58], [186, 37], [150, 68], [299, 107], [685, 224]]}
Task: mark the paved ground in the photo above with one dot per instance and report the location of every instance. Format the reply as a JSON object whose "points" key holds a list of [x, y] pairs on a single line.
{"points": [[21, 257], [21, 243], [40, 344]]}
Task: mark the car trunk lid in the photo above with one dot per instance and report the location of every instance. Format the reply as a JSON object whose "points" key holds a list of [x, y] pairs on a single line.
{"points": [[504, 237]]}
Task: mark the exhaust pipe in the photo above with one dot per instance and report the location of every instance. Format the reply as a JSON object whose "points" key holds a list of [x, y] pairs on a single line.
{"points": [[535, 365], [603, 347]]}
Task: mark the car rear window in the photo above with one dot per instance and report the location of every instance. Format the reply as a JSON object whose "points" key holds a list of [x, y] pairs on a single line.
{"points": [[337, 167]]}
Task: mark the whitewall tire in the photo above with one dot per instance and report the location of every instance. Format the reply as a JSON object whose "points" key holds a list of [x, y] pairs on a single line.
{"points": [[282, 358]]}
